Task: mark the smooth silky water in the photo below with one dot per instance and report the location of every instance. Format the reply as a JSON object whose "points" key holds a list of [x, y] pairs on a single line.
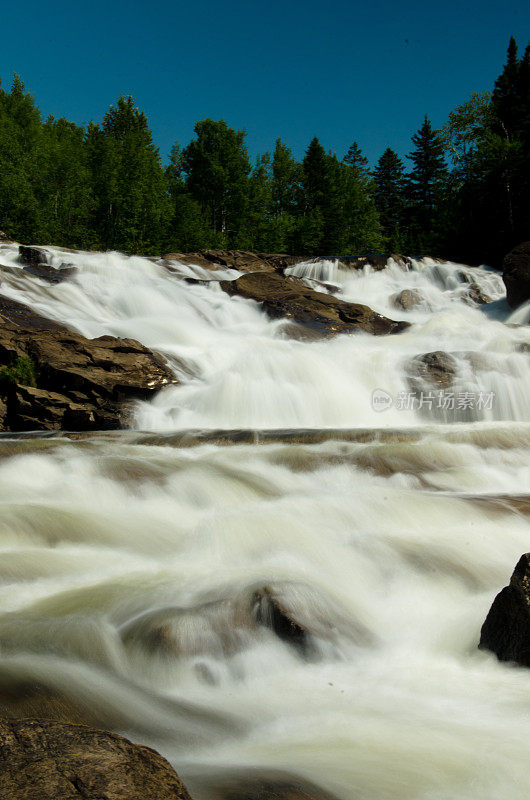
{"points": [[131, 561]]}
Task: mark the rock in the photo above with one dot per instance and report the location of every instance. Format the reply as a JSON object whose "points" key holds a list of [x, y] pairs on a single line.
{"points": [[242, 260], [408, 298], [31, 256], [437, 368], [506, 630], [271, 613], [285, 296], [377, 261], [48, 760], [82, 384], [475, 296], [516, 274]]}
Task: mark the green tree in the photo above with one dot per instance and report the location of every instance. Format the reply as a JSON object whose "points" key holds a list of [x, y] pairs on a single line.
{"points": [[128, 182], [427, 184], [217, 167], [390, 198]]}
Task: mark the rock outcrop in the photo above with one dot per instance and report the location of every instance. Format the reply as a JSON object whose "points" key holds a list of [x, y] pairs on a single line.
{"points": [[52, 378], [285, 296], [506, 630], [516, 274], [47, 760]]}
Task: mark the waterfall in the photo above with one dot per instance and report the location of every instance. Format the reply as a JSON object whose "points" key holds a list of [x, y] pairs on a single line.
{"points": [[146, 577]]}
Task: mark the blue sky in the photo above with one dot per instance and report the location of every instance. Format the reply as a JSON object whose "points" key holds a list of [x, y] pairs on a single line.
{"points": [[341, 71]]}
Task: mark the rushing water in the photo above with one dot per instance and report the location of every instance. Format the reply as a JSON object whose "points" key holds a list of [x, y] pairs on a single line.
{"points": [[132, 563]]}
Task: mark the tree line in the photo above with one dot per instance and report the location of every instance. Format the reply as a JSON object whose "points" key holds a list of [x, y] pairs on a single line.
{"points": [[464, 195]]}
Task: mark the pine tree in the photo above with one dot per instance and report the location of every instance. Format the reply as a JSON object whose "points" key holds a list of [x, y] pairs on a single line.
{"points": [[506, 100], [390, 200], [426, 184], [355, 158]]}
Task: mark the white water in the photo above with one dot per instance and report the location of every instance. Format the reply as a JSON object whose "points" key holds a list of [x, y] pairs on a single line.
{"points": [[389, 550]]}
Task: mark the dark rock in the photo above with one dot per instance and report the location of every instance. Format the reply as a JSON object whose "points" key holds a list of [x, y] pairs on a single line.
{"points": [[438, 369], [31, 256], [377, 261], [283, 296], [48, 760], [516, 274], [506, 631], [82, 384], [408, 298], [271, 613], [50, 274]]}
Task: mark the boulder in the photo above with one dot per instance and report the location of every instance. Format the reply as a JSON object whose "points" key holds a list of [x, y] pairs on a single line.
{"points": [[407, 299], [79, 383], [286, 296], [506, 630], [31, 256], [49, 760], [516, 274], [437, 369], [476, 296]]}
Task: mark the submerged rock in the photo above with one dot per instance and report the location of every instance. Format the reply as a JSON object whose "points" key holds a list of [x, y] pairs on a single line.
{"points": [[516, 274], [31, 256], [54, 378], [48, 760], [408, 298], [255, 784], [506, 630], [283, 296], [437, 368]]}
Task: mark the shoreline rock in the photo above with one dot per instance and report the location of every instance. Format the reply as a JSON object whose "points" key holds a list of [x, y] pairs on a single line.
{"points": [[49, 760], [53, 378]]}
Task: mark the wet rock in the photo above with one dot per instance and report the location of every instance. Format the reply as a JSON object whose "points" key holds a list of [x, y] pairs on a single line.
{"points": [[47, 760], [283, 296], [516, 274], [408, 298], [271, 613], [32, 256], [81, 384], [242, 260], [377, 261], [476, 296], [47, 273], [437, 368], [506, 630]]}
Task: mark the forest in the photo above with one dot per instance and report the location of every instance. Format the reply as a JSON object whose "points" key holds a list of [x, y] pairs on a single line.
{"points": [[462, 193]]}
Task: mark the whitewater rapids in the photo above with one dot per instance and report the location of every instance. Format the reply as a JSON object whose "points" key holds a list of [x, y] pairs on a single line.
{"points": [[130, 562]]}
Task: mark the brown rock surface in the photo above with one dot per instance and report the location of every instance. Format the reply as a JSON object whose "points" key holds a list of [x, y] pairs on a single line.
{"points": [[47, 760], [82, 384], [242, 260], [283, 296]]}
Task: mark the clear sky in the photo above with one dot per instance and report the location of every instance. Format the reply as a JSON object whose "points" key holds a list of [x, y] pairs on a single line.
{"points": [[342, 71]]}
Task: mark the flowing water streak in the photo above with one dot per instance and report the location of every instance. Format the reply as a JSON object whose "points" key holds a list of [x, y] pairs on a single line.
{"points": [[130, 566]]}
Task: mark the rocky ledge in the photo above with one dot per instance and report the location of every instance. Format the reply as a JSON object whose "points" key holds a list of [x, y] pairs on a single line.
{"points": [[52, 378], [288, 297], [47, 760]]}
